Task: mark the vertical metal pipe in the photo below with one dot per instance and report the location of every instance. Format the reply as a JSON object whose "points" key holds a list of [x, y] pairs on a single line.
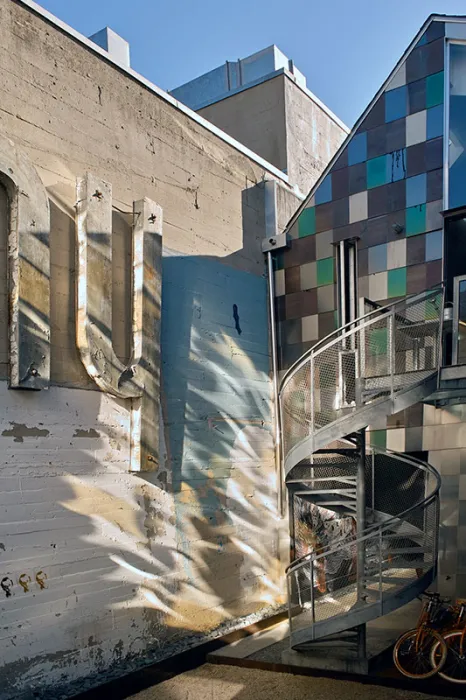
{"points": [[362, 641], [361, 511], [380, 571], [391, 350], [288, 590], [276, 412]]}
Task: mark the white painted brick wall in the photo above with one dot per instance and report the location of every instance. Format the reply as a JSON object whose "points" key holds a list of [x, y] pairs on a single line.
{"points": [[116, 579]]}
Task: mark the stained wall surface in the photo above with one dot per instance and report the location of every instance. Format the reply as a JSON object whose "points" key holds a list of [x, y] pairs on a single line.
{"points": [[257, 118], [101, 569], [284, 124]]}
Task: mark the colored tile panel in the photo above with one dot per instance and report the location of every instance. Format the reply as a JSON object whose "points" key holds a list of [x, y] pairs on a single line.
{"points": [[396, 283], [396, 165], [377, 341], [416, 190], [434, 245], [278, 262], [396, 103], [431, 309], [376, 172], [435, 122], [416, 128], [415, 220], [325, 271], [307, 222], [324, 191], [377, 258], [434, 89], [378, 438], [357, 149]]}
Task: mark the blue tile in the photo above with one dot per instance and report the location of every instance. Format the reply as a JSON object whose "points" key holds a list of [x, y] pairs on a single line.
{"points": [[357, 149], [324, 191], [416, 190], [435, 122], [396, 103], [422, 40], [434, 245], [377, 258]]}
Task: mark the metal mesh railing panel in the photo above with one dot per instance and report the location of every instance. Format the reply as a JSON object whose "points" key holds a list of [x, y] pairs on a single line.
{"points": [[376, 356], [343, 568]]}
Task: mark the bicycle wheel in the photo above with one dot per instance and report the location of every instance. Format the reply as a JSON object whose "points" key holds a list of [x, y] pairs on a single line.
{"points": [[454, 669], [412, 653]]}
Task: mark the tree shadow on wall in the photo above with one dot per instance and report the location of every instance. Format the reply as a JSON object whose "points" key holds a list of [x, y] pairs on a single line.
{"points": [[133, 573]]}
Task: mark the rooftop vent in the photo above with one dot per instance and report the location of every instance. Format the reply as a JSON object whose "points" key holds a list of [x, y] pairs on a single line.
{"points": [[114, 44]]}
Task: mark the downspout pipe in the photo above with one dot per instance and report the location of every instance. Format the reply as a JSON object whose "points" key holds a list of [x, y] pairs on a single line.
{"points": [[271, 231]]}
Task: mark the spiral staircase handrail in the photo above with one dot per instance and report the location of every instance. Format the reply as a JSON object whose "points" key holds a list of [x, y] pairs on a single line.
{"points": [[383, 358], [373, 529], [353, 327], [374, 366]]}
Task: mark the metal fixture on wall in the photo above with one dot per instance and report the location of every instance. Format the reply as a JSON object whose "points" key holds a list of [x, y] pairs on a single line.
{"points": [[274, 241]]}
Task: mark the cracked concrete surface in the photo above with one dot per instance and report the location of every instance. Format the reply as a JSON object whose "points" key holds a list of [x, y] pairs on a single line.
{"points": [[210, 682]]}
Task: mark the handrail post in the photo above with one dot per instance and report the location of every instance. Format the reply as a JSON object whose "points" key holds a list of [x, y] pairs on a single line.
{"points": [[311, 389], [296, 574], [380, 571], [312, 593], [361, 512], [391, 350], [288, 591]]}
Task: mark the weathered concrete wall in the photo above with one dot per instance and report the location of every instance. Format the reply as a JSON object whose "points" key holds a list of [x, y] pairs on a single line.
{"points": [[282, 123], [312, 137], [257, 118], [101, 569], [131, 572]]}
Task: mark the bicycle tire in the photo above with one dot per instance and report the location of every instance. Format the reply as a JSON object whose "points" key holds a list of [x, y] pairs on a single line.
{"points": [[455, 663], [407, 659]]}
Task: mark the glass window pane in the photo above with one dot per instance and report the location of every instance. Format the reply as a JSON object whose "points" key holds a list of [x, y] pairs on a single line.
{"points": [[457, 129], [462, 324]]}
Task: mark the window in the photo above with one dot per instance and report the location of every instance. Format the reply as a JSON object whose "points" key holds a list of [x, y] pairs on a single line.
{"points": [[457, 127], [459, 322], [347, 281], [347, 311]]}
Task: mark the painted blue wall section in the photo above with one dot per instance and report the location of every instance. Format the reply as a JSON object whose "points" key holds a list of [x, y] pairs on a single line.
{"points": [[216, 386]]}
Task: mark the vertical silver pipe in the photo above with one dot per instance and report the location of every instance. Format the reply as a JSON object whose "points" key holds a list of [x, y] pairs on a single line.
{"points": [[276, 412], [342, 283], [361, 511]]}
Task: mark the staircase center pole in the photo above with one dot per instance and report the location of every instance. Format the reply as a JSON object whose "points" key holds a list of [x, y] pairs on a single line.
{"points": [[360, 525], [361, 509]]}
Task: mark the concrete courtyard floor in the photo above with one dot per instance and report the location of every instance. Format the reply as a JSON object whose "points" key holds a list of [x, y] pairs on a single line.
{"points": [[216, 682]]}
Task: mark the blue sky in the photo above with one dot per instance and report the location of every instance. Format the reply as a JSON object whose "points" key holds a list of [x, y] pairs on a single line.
{"points": [[346, 48]]}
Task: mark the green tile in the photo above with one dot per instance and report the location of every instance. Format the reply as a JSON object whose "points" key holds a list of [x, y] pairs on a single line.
{"points": [[378, 342], [434, 89], [396, 282], [431, 310], [376, 170], [279, 262], [324, 271], [378, 438], [307, 222], [415, 220]]}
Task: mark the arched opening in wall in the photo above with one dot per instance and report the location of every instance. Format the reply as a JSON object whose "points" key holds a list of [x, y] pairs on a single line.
{"points": [[4, 218]]}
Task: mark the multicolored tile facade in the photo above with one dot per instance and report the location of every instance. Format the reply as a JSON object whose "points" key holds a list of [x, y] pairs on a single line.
{"points": [[386, 179], [386, 190]]}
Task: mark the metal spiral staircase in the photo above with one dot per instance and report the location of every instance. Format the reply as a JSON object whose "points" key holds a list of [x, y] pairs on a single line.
{"points": [[378, 548]]}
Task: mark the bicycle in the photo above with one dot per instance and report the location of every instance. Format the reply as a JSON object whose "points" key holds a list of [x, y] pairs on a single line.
{"points": [[412, 653], [454, 668]]}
